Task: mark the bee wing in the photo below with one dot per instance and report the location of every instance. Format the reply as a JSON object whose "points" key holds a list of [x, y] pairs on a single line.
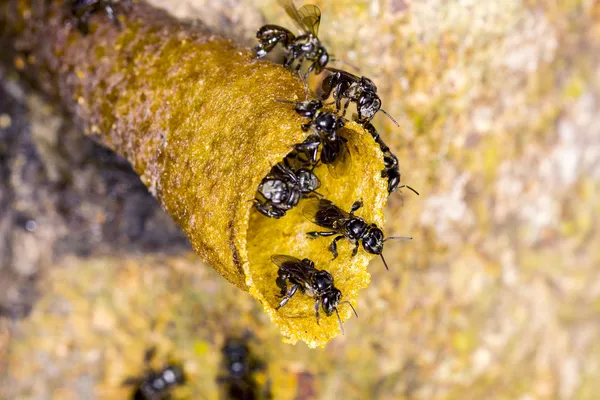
{"points": [[310, 15], [342, 163], [306, 19], [282, 260], [323, 212], [293, 266]]}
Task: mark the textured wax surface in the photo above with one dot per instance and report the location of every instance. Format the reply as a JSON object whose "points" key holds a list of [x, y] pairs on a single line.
{"points": [[268, 236]]}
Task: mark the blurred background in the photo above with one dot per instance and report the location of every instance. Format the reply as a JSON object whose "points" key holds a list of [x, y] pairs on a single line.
{"points": [[497, 296]]}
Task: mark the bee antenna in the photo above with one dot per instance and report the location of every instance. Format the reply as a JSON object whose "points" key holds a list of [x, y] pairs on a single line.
{"points": [[346, 63], [286, 101], [389, 116], [384, 263], [397, 238], [408, 187], [351, 306], [339, 320], [303, 79]]}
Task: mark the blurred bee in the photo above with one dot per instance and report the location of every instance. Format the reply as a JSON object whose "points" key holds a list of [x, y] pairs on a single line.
{"points": [[351, 88], [346, 226], [156, 385], [298, 49], [283, 188], [241, 366], [82, 11], [303, 275], [391, 169], [325, 125]]}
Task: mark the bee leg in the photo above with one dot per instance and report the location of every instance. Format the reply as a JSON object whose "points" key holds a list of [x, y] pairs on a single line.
{"points": [[299, 65], [268, 210], [317, 305], [289, 61], [355, 206], [287, 297], [281, 282], [333, 247], [306, 91], [315, 234], [294, 57], [346, 108], [310, 69], [313, 195], [355, 250], [337, 90], [263, 48]]}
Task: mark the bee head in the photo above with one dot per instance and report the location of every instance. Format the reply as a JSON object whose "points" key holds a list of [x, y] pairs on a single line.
{"points": [[373, 240], [322, 60], [368, 105], [329, 123], [330, 301], [309, 109]]}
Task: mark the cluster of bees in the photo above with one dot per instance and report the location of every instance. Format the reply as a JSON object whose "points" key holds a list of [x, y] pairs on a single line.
{"points": [[294, 179], [237, 379]]}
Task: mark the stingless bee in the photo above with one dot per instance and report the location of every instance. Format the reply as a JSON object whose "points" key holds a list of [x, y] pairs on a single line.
{"points": [[346, 226], [325, 126], [156, 385], [241, 368], [298, 49], [351, 88], [283, 188], [303, 275]]}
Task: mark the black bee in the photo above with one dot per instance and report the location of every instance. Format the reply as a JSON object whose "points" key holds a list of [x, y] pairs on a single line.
{"points": [[351, 88], [156, 385], [390, 162], [82, 11], [325, 125], [303, 275], [240, 367], [346, 225], [306, 47], [283, 188]]}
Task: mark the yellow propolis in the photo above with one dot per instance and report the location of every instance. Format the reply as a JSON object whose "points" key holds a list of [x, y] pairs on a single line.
{"points": [[197, 118]]}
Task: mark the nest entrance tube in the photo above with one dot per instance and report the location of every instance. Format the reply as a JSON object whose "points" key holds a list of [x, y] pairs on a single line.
{"points": [[198, 120]]}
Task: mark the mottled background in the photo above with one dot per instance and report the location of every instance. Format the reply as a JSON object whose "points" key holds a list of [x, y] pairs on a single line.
{"points": [[498, 295]]}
